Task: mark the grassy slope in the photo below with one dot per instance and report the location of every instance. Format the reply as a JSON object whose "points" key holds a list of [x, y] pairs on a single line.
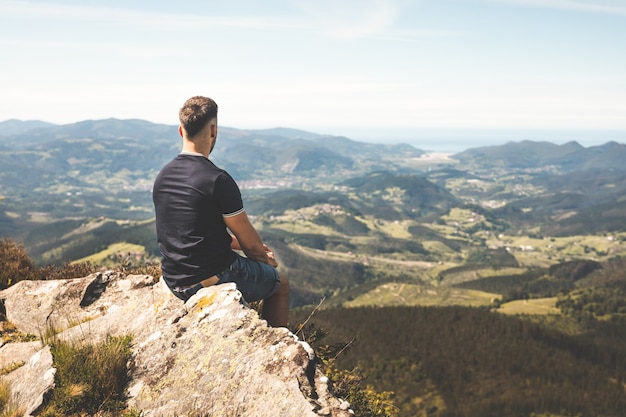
{"points": [[112, 252]]}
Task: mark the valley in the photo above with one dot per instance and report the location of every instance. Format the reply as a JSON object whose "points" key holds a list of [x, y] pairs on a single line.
{"points": [[389, 214], [453, 258]]}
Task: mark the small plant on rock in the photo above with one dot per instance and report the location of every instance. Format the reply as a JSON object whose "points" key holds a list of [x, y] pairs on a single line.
{"points": [[90, 379]]}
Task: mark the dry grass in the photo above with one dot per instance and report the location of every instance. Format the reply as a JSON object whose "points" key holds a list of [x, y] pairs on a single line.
{"points": [[91, 379], [8, 405]]}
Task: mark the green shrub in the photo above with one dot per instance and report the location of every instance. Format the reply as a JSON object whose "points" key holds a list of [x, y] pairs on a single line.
{"points": [[90, 379], [15, 265]]}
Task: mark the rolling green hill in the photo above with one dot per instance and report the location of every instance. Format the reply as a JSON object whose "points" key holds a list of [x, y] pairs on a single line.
{"points": [[393, 197], [532, 230], [88, 188]]}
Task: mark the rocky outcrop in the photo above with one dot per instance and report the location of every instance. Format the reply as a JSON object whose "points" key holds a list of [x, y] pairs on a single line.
{"points": [[210, 356]]}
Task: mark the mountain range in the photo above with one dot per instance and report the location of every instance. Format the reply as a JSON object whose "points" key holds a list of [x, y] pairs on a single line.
{"points": [[570, 156], [531, 233], [106, 168]]}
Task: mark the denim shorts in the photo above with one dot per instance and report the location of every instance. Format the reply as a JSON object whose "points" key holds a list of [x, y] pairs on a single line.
{"points": [[254, 279]]}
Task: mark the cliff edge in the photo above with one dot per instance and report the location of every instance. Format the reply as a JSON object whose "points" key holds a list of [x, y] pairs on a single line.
{"points": [[210, 356]]}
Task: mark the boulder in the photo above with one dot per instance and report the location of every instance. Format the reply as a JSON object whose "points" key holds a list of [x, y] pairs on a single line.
{"points": [[212, 355], [32, 381]]}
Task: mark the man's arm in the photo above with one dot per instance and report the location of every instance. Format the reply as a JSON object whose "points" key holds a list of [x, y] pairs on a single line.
{"points": [[249, 239], [234, 244]]}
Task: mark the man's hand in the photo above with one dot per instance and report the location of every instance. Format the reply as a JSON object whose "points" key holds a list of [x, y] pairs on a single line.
{"points": [[270, 253], [270, 256]]}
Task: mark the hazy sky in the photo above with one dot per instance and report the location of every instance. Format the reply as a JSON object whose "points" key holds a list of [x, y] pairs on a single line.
{"points": [[362, 67]]}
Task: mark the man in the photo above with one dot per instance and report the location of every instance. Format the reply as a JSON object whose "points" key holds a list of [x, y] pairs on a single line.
{"points": [[201, 222]]}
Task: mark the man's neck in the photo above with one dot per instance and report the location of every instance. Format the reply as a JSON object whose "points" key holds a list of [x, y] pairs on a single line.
{"points": [[189, 146], [203, 142]]}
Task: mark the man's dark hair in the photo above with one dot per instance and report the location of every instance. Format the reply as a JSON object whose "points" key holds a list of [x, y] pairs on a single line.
{"points": [[196, 113]]}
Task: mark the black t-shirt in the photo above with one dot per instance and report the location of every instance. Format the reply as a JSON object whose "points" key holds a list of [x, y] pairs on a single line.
{"points": [[191, 197]]}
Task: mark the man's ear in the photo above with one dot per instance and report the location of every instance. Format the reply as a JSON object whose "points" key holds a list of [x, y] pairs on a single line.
{"points": [[180, 130], [213, 130]]}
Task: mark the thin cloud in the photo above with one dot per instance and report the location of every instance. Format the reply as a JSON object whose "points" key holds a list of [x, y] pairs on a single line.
{"points": [[138, 18], [350, 19], [131, 49], [347, 19], [413, 35], [607, 6]]}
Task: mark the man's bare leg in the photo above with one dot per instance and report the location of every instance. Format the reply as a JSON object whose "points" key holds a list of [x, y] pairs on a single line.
{"points": [[276, 307]]}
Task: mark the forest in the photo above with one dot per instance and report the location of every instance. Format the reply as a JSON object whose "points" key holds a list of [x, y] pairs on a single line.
{"points": [[459, 361]]}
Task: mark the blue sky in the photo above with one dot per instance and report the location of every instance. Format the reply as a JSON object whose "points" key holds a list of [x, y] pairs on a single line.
{"points": [[368, 69]]}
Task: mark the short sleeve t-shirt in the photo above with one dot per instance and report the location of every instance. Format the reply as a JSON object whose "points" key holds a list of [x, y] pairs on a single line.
{"points": [[191, 197]]}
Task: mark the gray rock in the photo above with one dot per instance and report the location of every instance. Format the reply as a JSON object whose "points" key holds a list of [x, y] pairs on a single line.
{"points": [[32, 381], [210, 356]]}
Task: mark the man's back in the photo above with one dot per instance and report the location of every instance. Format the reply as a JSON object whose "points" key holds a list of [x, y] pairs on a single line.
{"points": [[190, 196]]}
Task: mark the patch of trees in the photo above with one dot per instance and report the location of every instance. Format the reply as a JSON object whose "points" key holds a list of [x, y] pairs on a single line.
{"points": [[573, 270], [51, 231], [558, 279], [479, 363], [347, 225], [590, 216], [424, 233], [384, 244], [280, 201], [502, 284], [479, 259], [598, 185], [70, 247], [310, 240], [606, 217], [539, 283], [596, 302], [494, 258]]}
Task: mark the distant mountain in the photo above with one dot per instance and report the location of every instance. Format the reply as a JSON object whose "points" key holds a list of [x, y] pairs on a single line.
{"points": [[107, 167], [393, 197], [244, 152], [135, 130], [279, 137], [286, 132], [609, 155], [15, 126], [273, 151], [570, 156], [86, 156], [81, 169]]}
